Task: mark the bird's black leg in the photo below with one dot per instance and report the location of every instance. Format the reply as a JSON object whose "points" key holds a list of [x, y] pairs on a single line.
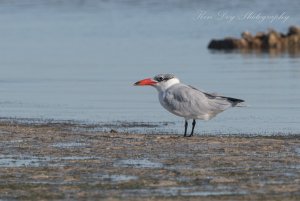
{"points": [[194, 123], [185, 127]]}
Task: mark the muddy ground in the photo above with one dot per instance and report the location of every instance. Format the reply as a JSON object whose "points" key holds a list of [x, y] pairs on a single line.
{"points": [[58, 161]]}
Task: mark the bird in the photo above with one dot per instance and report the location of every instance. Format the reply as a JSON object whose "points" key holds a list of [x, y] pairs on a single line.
{"points": [[187, 101]]}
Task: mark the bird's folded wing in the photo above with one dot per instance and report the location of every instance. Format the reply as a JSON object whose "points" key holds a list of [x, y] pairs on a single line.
{"points": [[187, 101], [223, 100]]}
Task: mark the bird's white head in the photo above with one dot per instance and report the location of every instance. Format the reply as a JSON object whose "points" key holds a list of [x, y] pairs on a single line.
{"points": [[161, 81]]}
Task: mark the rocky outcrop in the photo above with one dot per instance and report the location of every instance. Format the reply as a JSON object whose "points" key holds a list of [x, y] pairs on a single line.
{"points": [[261, 41]]}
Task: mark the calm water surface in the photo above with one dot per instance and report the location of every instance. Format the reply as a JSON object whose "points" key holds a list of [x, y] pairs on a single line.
{"points": [[77, 60]]}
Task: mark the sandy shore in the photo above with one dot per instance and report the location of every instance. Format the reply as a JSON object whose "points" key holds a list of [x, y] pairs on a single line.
{"points": [[58, 161]]}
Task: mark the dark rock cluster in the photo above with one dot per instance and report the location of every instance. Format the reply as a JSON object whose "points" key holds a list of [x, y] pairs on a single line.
{"points": [[261, 41]]}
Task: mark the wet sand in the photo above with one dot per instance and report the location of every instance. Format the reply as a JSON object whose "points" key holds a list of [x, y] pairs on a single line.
{"points": [[61, 161]]}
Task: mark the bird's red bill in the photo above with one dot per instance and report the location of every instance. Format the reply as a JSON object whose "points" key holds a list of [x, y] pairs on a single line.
{"points": [[145, 82]]}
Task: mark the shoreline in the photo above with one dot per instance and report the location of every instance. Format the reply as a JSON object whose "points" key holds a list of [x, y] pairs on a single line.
{"points": [[127, 127], [58, 161]]}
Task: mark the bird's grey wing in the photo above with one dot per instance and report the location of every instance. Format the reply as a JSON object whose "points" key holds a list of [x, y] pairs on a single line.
{"points": [[185, 101], [219, 98]]}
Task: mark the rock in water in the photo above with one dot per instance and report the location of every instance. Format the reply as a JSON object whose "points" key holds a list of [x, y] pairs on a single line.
{"points": [[272, 40]]}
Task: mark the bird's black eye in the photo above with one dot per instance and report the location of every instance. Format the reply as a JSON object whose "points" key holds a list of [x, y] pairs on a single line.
{"points": [[160, 79]]}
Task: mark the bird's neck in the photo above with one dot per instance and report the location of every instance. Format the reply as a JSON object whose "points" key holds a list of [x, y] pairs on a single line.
{"points": [[164, 86]]}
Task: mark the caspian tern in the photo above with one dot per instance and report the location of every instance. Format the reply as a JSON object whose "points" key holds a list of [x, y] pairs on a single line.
{"points": [[187, 101]]}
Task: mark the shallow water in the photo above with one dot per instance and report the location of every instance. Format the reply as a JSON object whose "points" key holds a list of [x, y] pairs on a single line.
{"points": [[135, 163], [181, 191], [77, 60], [69, 145], [34, 161], [17, 161]]}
